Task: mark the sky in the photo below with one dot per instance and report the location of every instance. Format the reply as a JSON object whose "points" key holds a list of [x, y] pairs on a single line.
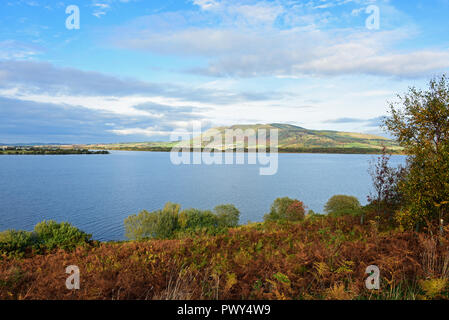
{"points": [[138, 70]]}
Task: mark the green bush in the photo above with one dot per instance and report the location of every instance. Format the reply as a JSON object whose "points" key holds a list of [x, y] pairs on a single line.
{"points": [[228, 216], [286, 209], [419, 122], [159, 224], [341, 205], [141, 226], [15, 243], [194, 219], [312, 215], [47, 235], [51, 235], [169, 223]]}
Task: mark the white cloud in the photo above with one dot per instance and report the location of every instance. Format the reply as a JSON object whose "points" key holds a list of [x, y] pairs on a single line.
{"points": [[274, 39], [149, 131], [313, 72], [356, 12], [101, 7], [206, 4], [12, 49], [295, 52], [176, 128]]}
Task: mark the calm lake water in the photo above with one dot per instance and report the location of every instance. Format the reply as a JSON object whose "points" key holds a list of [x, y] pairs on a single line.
{"points": [[97, 192]]}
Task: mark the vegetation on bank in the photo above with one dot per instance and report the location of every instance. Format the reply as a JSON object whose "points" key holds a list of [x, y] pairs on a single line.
{"points": [[291, 139], [171, 222], [201, 254], [293, 254], [46, 236], [319, 257], [46, 151], [329, 150]]}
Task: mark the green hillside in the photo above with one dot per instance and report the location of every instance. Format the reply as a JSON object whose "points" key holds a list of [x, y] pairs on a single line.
{"points": [[290, 139]]}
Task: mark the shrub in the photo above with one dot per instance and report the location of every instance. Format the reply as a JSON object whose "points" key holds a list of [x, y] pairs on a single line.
{"points": [[228, 215], [340, 205], [15, 243], [295, 211], [169, 223], [420, 123], [387, 196], [286, 209], [142, 225], [47, 235], [194, 219], [406, 219], [51, 235], [160, 224], [312, 215]]}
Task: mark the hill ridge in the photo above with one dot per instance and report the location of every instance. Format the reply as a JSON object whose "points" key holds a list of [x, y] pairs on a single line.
{"points": [[291, 138]]}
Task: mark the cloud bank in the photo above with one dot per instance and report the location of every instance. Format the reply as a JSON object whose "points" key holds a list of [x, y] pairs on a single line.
{"points": [[281, 39]]}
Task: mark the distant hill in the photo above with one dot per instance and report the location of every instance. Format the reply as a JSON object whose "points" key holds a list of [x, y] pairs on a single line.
{"points": [[290, 139], [294, 137]]}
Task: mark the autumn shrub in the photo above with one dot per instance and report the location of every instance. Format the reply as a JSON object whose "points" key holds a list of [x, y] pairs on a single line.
{"points": [[286, 209], [387, 195], [419, 121], [324, 258]]}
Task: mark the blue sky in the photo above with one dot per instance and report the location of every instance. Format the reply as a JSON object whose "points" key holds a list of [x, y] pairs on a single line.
{"points": [[139, 70]]}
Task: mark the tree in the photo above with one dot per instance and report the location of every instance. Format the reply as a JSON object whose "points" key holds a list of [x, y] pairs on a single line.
{"points": [[168, 221], [228, 215], [387, 196], [194, 219], [421, 126], [286, 209], [141, 226], [160, 224], [342, 205], [59, 235]]}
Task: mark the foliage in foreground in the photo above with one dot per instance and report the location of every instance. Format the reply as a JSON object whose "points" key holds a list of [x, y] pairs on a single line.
{"points": [[420, 124], [47, 235], [317, 258]]}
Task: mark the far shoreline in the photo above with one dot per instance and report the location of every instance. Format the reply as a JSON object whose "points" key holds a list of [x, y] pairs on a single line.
{"points": [[86, 150], [348, 151]]}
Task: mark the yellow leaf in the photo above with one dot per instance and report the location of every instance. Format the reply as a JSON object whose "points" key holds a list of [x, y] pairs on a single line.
{"points": [[230, 281]]}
